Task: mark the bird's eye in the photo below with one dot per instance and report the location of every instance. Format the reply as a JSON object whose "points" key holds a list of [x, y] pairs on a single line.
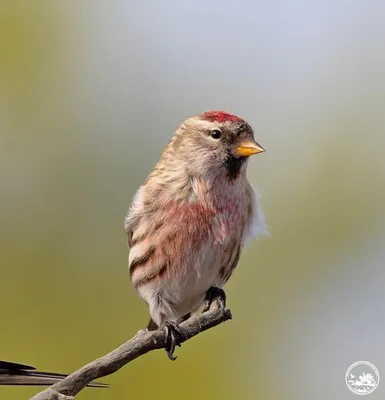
{"points": [[216, 134]]}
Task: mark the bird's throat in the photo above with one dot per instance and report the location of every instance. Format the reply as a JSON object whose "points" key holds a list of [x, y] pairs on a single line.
{"points": [[234, 166]]}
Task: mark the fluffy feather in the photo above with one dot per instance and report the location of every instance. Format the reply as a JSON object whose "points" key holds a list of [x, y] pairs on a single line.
{"points": [[257, 226], [190, 219]]}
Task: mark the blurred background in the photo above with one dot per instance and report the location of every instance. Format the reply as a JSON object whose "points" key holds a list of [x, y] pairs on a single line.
{"points": [[90, 93]]}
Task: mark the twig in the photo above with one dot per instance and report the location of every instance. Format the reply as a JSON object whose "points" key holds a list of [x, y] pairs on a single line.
{"points": [[140, 344]]}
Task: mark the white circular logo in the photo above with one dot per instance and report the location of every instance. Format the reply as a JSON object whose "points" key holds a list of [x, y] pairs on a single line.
{"points": [[362, 378]]}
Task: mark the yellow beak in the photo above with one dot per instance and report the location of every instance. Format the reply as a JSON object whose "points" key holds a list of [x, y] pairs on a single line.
{"points": [[248, 149]]}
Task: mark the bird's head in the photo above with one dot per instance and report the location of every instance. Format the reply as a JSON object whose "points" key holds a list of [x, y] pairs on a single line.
{"points": [[214, 142]]}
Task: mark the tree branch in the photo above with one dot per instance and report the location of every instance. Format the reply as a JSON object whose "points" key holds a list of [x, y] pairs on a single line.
{"points": [[141, 343]]}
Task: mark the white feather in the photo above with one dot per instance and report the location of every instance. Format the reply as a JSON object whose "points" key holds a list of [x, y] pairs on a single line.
{"points": [[257, 226]]}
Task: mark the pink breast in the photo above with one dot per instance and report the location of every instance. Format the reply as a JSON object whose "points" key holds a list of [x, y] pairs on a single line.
{"points": [[230, 219]]}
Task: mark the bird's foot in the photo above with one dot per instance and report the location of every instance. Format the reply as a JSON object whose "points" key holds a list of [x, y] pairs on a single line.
{"points": [[173, 337], [219, 296]]}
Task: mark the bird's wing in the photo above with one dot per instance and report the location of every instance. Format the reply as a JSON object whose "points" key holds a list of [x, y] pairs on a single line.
{"points": [[10, 365], [20, 374], [162, 235]]}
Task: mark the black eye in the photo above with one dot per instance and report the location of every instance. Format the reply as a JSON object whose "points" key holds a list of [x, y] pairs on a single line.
{"points": [[216, 134]]}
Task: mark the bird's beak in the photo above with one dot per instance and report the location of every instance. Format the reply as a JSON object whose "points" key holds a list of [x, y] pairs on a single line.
{"points": [[248, 149]]}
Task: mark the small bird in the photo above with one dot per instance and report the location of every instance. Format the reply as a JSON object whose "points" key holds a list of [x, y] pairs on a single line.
{"points": [[19, 374], [189, 220]]}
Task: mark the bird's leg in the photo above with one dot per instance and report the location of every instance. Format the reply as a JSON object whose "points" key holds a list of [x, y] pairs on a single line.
{"points": [[215, 293], [218, 295], [173, 337]]}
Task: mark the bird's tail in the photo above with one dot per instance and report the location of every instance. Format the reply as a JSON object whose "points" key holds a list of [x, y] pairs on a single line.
{"points": [[19, 374]]}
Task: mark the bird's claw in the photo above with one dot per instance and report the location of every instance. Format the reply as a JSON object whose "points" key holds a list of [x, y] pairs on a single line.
{"points": [[218, 295], [173, 338]]}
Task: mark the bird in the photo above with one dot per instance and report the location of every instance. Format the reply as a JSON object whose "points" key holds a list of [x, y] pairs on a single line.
{"points": [[20, 374], [190, 219]]}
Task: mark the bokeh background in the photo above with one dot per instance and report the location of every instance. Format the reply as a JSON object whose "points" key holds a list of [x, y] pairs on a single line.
{"points": [[91, 91]]}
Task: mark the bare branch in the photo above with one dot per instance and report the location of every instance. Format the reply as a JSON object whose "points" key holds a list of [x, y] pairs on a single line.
{"points": [[140, 344]]}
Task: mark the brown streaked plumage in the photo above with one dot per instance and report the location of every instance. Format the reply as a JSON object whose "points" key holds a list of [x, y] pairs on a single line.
{"points": [[189, 220]]}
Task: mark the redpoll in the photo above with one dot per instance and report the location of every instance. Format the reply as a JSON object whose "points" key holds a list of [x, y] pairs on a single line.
{"points": [[190, 219]]}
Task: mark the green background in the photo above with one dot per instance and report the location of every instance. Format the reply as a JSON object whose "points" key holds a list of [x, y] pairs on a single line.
{"points": [[91, 91]]}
